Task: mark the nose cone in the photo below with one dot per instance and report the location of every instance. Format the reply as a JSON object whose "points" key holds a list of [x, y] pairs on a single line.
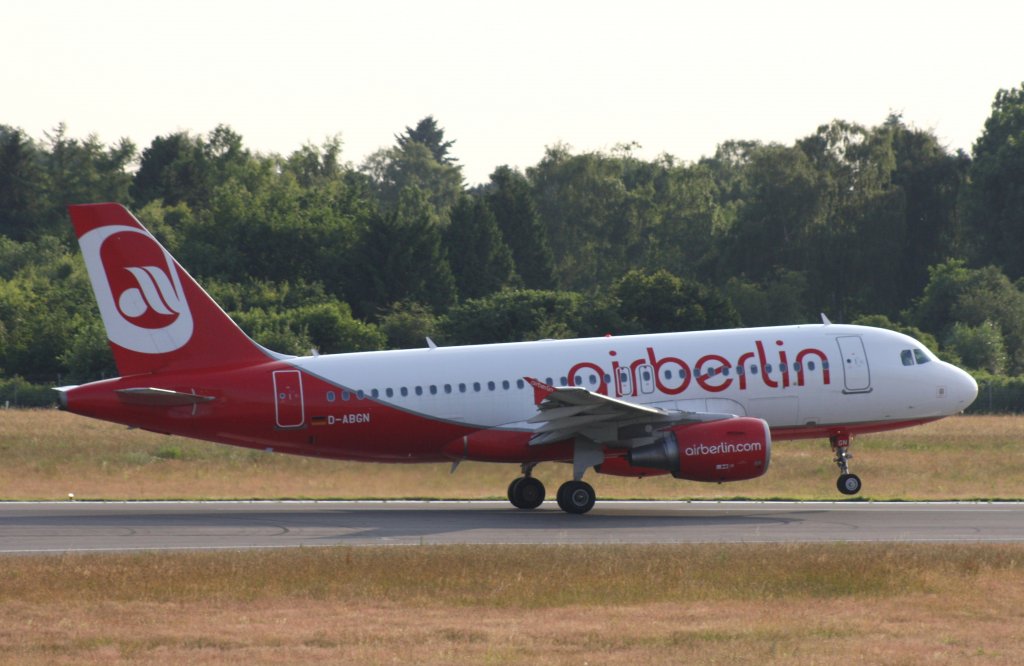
{"points": [[962, 388]]}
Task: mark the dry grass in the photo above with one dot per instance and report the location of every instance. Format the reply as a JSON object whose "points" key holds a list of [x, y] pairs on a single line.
{"points": [[48, 454], [783, 604]]}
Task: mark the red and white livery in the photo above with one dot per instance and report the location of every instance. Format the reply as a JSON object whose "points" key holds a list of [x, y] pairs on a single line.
{"points": [[703, 406]]}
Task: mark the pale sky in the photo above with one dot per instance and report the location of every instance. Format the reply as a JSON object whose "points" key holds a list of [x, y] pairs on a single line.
{"points": [[504, 79]]}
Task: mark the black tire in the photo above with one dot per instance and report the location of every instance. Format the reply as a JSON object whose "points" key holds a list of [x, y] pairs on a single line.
{"points": [[848, 484], [576, 497], [512, 489], [527, 493]]}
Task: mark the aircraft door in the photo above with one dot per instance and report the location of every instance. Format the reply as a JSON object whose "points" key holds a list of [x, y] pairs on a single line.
{"points": [[289, 410], [624, 382], [645, 378], [856, 373]]}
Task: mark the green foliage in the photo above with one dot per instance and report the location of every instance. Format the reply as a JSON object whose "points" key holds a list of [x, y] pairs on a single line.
{"points": [[869, 224], [780, 298], [510, 199], [973, 297], [515, 315], [994, 193], [998, 394], [979, 347], [403, 257], [480, 260], [660, 302], [407, 325], [17, 392]]}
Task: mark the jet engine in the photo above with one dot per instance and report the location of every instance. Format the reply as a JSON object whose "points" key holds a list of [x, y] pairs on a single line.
{"points": [[726, 450]]}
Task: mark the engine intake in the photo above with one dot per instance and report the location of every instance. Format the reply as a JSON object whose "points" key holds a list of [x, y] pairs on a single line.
{"points": [[717, 451]]}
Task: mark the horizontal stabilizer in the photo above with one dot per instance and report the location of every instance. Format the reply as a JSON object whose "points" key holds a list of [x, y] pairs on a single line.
{"points": [[158, 397]]}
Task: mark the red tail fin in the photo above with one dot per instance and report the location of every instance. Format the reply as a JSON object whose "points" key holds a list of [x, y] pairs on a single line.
{"points": [[157, 317]]}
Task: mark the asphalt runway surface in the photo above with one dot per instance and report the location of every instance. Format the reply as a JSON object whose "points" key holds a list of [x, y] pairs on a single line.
{"points": [[56, 527]]}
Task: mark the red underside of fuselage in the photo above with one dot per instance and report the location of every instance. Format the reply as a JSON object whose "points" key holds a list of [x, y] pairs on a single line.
{"points": [[242, 413]]}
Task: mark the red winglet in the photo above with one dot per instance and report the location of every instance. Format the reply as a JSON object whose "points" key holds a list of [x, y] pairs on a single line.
{"points": [[540, 389]]}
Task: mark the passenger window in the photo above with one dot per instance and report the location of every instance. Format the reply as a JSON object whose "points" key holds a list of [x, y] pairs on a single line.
{"points": [[520, 383], [668, 374], [419, 390], [389, 393], [593, 380], [330, 396], [921, 356], [433, 390], [375, 393], [447, 388], [907, 356], [564, 381], [476, 386], [549, 381], [505, 385], [490, 386], [768, 369], [462, 388], [345, 395], [360, 394], [810, 365], [753, 369], [739, 370], [404, 391]]}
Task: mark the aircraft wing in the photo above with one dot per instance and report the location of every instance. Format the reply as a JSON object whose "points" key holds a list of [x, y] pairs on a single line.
{"points": [[571, 411]]}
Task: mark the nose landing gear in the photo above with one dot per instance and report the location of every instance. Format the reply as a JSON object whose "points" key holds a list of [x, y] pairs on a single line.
{"points": [[848, 484]]}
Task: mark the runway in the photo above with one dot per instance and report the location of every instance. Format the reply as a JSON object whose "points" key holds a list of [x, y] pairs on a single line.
{"points": [[56, 527]]}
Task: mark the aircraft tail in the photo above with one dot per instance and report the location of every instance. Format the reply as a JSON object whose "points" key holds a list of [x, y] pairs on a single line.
{"points": [[156, 316]]}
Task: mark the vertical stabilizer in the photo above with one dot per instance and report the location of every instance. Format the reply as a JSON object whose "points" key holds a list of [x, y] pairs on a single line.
{"points": [[156, 316]]}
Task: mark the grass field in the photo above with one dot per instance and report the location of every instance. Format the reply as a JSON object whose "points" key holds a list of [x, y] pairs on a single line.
{"points": [[706, 604], [48, 454]]}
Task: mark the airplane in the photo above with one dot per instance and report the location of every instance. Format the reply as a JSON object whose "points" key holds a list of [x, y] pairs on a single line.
{"points": [[702, 406]]}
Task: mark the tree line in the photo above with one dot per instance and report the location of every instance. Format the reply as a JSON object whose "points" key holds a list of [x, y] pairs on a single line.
{"points": [[880, 225]]}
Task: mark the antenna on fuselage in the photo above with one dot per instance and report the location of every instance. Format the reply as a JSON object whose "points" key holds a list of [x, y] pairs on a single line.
{"points": [[431, 343], [824, 319]]}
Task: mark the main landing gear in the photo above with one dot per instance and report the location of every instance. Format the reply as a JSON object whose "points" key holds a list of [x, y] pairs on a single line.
{"points": [[526, 492], [848, 484]]}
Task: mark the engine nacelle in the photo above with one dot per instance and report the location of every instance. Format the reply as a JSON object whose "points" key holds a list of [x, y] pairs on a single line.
{"points": [[727, 450]]}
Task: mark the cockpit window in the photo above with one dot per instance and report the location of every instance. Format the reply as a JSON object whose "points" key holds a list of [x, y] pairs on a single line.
{"points": [[921, 356], [907, 356]]}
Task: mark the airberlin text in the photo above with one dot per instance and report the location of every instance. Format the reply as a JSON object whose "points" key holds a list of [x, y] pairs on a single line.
{"points": [[671, 375], [721, 448]]}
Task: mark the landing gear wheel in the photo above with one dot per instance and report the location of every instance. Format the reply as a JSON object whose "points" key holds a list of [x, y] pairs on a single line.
{"points": [[512, 489], [526, 493], [848, 484], [576, 497]]}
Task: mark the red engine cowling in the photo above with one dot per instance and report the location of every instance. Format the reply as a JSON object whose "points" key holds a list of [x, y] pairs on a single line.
{"points": [[727, 450]]}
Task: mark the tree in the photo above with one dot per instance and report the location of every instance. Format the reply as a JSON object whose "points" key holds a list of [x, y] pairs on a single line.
{"points": [[993, 201], [972, 297], [481, 262], [514, 315], [21, 185], [660, 302], [510, 200], [402, 258], [427, 133]]}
